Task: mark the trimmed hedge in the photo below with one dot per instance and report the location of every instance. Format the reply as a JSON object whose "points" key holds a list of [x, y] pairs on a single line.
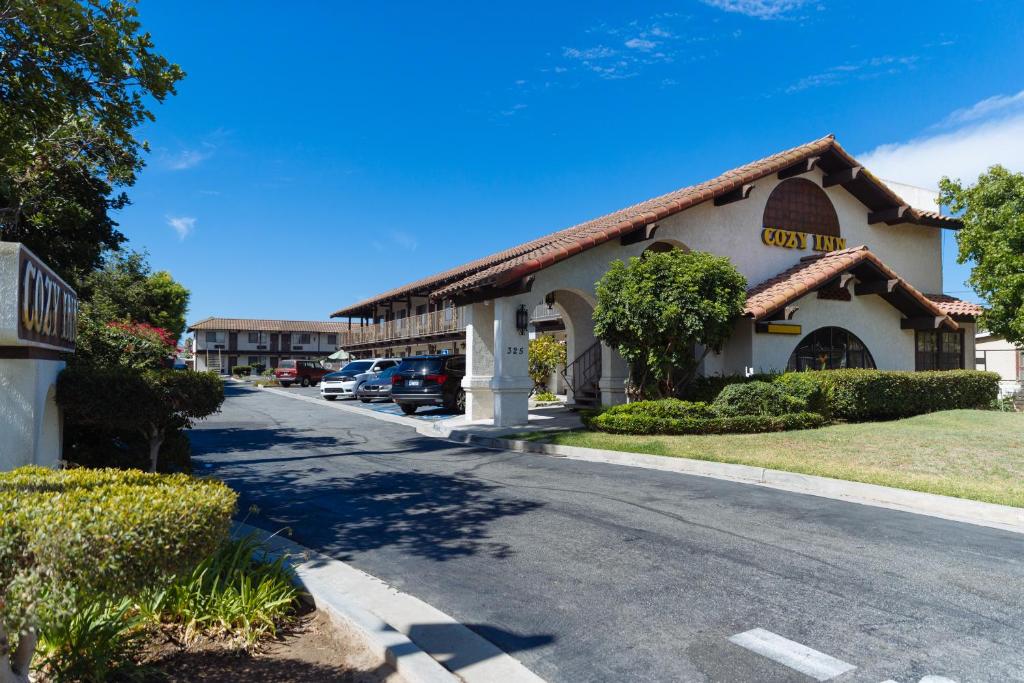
{"points": [[757, 398], [860, 395], [624, 423], [66, 535], [241, 370], [671, 408], [707, 389]]}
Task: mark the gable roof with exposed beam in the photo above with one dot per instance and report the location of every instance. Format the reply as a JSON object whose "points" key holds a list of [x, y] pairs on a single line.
{"points": [[510, 266], [767, 299]]}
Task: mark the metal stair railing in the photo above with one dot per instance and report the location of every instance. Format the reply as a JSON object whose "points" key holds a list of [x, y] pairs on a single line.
{"points": [[585, 370]]}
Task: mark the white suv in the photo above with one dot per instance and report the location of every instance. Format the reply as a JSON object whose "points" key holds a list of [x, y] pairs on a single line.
{"points": [[344, 382]]}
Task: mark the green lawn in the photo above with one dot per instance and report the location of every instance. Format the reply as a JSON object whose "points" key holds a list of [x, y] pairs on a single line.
{"points": [[973, 454]]}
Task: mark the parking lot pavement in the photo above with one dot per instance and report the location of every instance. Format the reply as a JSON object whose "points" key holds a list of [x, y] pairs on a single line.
{"points": [[425, 414], [592, 572]]}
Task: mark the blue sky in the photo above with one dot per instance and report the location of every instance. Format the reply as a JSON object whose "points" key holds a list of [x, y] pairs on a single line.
{"points": [[314, 157]]}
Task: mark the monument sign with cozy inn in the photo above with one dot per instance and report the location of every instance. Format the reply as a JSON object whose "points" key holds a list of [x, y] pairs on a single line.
{"points": [[38, 319]]}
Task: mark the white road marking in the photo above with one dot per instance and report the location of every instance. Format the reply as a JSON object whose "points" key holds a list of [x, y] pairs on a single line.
{"points": [[817, 665]]}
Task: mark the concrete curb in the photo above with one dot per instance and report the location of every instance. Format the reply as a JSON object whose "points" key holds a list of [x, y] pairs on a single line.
{"points": [[416, 639], [1005, 517]]}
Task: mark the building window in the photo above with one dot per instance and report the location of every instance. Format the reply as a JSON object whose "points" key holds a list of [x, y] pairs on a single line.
{"points": [[254, 360], [830, 348], [800, 204], [939, 350], [305, 339], [211, 337], [332, 340]]}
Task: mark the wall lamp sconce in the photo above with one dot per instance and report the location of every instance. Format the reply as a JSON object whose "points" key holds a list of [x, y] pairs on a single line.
{"points": [[549, 299], [522, 319]]}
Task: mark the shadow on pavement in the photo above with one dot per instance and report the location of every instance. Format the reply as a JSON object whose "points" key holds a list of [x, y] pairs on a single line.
{"points": [[446, 642], [436, 516]]}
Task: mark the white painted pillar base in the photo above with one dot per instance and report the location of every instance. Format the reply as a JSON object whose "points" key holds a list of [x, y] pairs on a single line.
{"points": [[31, 428], [614, 372], [479, 361], [511, 384]]}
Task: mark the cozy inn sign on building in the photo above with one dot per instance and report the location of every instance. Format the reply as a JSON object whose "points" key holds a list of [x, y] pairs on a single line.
{"points": [[793, 239]]}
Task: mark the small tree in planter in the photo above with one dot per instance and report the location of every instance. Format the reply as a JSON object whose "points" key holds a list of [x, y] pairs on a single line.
{"points": [[657, 308], [153, 403], [546, 354]]}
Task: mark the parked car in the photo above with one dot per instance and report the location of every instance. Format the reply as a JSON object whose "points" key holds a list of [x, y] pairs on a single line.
{"points": [[305, 372], [430, 381], [343, 382], [377, 385]]}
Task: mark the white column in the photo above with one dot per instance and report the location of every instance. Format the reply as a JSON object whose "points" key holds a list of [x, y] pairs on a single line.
{"points": [[511, 384], [479, 361], [613, 377], [30, 420]]}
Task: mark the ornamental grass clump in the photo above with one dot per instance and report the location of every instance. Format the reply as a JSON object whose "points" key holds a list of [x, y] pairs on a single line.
{"points": [[72, 538], [238, 592]]}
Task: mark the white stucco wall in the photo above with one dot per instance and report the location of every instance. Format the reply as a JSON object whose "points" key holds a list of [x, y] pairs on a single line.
{"points": [[31, 426], [870, 318]]}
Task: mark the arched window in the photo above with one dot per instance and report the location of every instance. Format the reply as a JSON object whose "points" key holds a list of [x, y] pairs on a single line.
{"points": [[830, 348], [665, 245], [800, 204]]}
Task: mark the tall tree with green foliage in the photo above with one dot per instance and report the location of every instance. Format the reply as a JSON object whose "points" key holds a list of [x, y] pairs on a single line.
{"points": [[993, 239], [125, 289], [77, 78], [658, 308]]}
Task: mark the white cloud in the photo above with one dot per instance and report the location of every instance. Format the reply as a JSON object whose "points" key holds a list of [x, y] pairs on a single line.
{"points": [[405, 240], [987, 108], [187, 158], [641, 44], [988, 135], [183, 225], [865, 69], [758, 9]]}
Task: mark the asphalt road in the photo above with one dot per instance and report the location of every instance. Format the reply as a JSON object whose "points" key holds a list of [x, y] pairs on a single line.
{"points": [[591, 572]]}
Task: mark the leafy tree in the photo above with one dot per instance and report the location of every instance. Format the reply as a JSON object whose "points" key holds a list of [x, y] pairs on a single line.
{"points": [[545, 355], [152, 403], [658, 308], [138, 346], [76, 81], [993, 238], [125, 289]]}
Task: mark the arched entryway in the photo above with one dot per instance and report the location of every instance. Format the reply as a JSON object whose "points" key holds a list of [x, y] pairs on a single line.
{"points": [[665, 245], [582, 349], [830, 348]]}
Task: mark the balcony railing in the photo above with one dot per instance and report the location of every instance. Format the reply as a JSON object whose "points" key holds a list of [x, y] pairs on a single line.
{"points": [[447, 321]]}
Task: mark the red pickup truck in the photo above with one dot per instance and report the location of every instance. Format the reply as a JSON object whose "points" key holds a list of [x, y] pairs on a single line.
{"points": [[305, 372]]}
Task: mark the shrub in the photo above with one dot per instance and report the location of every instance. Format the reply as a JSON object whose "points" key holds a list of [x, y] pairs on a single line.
{"points": [[756, 398], [708, 388], [671, 408], [807, 388], [115, 344], [545, 355], [544, 397], [744, 424], [153, 404], [241, 370], [859, 395], [72, 537], [237, 591]]}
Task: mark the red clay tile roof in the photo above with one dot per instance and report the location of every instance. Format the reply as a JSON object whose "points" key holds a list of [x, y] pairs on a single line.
{"points": [[254, 325], [814, 271], [513, 264], [957, 308]]}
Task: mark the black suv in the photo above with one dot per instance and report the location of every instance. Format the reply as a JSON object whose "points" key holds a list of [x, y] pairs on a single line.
{"points": [[429, 381]]}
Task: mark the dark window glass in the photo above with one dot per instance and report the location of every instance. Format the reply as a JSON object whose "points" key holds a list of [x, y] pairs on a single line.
{"points": [[830, 348], [457, 365], [286, 364], [938, 350], [421, 366], [355, 367], [332, 339]]}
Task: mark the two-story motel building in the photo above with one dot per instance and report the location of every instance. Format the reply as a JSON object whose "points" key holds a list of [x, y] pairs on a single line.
{"points": [[223, 343], [843, 272]]}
